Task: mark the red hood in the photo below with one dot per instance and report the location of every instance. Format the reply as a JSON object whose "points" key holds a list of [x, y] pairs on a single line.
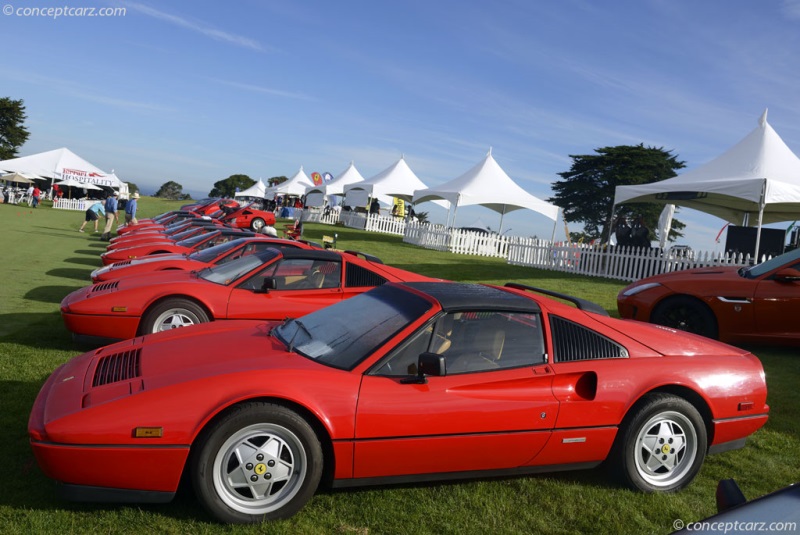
{"points": [[165, 359]]}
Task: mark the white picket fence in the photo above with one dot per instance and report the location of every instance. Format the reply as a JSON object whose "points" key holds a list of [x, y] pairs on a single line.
{"points": [[623, 263], [441, 238], [72, 204]]}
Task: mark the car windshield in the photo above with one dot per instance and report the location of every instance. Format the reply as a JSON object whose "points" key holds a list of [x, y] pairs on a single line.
{"points": [[230, 272], [773, 263], [194, 240], [344, 334], [210, 254]]}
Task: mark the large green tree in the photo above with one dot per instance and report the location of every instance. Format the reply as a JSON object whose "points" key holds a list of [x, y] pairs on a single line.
{"points": [[13, 133], [586, 191], [171, 190], [227, 187], [274, 181]]}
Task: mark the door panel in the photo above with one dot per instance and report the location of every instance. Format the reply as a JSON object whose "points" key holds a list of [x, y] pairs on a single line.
{"points": [[473, 421]]}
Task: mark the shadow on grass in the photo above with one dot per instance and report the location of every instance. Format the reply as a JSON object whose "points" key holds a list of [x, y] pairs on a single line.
{"points": [[49, 294], [93, 262], [71, 273], [40, 330]]}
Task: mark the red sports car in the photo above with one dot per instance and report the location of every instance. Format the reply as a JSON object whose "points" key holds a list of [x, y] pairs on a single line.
{"points": [[196, 240], [172, 232], [249, 217], [755, 304], [408, 382], [270, 284], [218, 254], [158, 222]]}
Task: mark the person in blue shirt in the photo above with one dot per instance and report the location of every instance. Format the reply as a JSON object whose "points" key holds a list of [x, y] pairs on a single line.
{"points": [[130, 210], [111, 216], [93, 214]]}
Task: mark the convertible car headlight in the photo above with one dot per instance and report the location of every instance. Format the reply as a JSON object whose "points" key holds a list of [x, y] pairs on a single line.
{"points": [[642, 287]]}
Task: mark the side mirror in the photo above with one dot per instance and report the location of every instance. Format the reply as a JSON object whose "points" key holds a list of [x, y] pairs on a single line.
{"points": [[787, 275], [268, 284], [427, 364]]}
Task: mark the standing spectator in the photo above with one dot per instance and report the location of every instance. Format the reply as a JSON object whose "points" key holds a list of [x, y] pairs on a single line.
{"points": [[37, 193], [93, 214], [111, 216], [29, 194], [130, 210]]}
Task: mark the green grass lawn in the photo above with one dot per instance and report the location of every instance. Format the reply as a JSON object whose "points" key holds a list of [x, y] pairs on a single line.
{"points": [[44, 257]]}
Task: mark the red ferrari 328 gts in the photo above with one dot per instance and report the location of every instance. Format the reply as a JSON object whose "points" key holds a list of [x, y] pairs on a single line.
{"points": [[407, 382], [270, 284]]}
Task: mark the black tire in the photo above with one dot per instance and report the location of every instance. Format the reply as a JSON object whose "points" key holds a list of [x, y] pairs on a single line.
{"points": [[257, 224], [686, 314], [661, 445], [260, 462], [171, 314]]}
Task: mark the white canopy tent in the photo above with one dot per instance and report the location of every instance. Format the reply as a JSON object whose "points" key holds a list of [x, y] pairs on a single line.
{"points": [[756, 181], [259, 190], [315, 195], [61, 164], [487, 185], [296, 185], [398, 180], [19, 178]]}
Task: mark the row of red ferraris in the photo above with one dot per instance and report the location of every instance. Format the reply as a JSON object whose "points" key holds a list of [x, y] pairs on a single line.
{"points": [[342, 371]]}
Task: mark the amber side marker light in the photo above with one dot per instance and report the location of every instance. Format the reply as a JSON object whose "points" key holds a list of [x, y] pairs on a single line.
{"points": [[119, 309], [148, 432]]}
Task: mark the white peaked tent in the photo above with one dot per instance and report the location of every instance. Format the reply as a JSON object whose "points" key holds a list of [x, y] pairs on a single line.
{"points": [[61, 164], [258, 189], [315, 195], [296, 185], [757, 179], [487, 185], [398, 180]]}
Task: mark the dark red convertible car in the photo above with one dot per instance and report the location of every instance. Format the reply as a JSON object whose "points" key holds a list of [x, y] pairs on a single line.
{"points": [[408, 382], [249, 217], [270, 284], [738, 305]]}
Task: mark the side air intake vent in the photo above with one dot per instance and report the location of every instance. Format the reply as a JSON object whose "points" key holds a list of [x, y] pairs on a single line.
{"points": [[103, 286], [123, 263], [117, 367], [358, 276], [573, 342]]}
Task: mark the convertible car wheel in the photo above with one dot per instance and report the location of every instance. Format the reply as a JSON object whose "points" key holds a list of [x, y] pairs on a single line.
{"points": [[171, 314], [663, 444], [686, 314], [261, 462], [257, 224]]}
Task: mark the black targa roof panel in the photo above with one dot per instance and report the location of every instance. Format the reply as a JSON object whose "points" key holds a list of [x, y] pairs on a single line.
{"points": [[454, 296]]}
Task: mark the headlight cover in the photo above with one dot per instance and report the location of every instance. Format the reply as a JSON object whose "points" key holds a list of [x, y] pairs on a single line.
{"points": [[642, 287]]}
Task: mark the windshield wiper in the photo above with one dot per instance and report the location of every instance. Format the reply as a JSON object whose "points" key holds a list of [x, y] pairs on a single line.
{"points": [[300, 326]]}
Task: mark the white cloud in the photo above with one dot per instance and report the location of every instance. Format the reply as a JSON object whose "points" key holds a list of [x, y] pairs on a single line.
{"points": [[198, 27]]}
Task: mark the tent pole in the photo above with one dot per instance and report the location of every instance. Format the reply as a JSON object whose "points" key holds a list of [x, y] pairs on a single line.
{"points": [[760, 218], [502, 214], [555, 224]]}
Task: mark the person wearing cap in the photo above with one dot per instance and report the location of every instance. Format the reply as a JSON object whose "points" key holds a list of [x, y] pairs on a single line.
{"points": [[130, 210], [111, 216]]}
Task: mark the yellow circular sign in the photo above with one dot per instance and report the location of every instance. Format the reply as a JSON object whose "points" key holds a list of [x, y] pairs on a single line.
{"points": [[261, 468]]}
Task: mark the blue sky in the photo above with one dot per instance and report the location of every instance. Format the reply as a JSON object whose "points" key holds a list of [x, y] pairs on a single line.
{"points": [[196, 91]]}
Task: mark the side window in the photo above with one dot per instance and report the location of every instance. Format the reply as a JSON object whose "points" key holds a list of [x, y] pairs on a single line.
{"points": [[472, 342], [481, 341]]}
